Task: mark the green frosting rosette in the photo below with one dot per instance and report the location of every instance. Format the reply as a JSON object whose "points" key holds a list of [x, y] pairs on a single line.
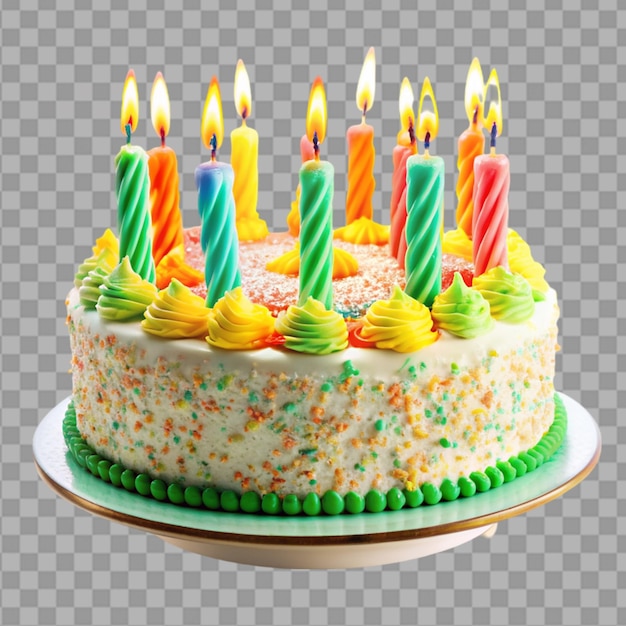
{"points": [[89, 291], [311, 328], [462, 311], [105, 259], [510, 296], [124, 295]]}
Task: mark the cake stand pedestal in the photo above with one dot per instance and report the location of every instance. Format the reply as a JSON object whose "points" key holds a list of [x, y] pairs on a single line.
{"points": [[323, 542]]}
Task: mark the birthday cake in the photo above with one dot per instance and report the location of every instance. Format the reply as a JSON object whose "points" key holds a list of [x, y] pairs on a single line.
{"points": [[310, 389]]}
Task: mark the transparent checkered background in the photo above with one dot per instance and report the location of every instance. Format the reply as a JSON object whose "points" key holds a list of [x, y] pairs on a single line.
{"points": [[563, 85]]}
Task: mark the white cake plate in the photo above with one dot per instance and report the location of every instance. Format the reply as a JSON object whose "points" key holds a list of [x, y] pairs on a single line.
{"points": [[323, 542]]}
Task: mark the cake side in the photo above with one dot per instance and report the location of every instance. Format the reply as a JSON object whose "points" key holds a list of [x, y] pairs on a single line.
{"points": [[279, 422]]}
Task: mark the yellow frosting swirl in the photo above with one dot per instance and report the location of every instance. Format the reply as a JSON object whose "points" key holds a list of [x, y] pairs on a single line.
{"points": [[344, 264], [236, 323], [521, 262], [124, 295], [363, 231], [107, 241], [176, 313], [311, 328], [458, 243], [401, 323]]}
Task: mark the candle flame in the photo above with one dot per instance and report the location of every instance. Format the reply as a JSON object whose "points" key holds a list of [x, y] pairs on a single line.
{"points": [[428, 121], [316, 113], [406, 100], [366, 87], [160, 106], [243, 97], [130, 103], [474, 91], [494, 112], [212, 117]]}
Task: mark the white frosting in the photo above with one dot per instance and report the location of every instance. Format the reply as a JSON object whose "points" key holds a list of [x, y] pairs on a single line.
{"points": [[274, 420]]}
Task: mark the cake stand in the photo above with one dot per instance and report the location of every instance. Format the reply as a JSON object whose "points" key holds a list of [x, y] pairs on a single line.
{"points": [[323, 542]]}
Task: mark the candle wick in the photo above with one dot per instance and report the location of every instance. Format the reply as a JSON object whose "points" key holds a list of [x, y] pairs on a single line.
{"points": [[411, 132], [475, 119], [127, 128], [244, 114], [494, 134], [213, 147], [427, 140], [316, 146], [162, 137]]}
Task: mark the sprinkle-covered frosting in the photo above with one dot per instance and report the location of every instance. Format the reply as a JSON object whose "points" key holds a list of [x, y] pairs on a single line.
{"points": [[89, 291], [235, 323], [176, 313], [401, 323], [344, 264], [124, 294], [509, 295], [312, 329], [363, 231], [462, 311]]}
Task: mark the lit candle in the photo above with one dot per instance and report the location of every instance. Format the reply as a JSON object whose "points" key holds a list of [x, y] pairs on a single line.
{"points": [[316, 199], [425, 177], [361, 153], [405, 147], [132, 187], [244, 160], [491, 193], [216, 205], [167, 222], [471, 145], [293, 219]]}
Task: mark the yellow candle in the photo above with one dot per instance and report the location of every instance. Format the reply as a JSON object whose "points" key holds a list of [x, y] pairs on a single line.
{"points": [[361, 153], [244, 160], [471, 145]]}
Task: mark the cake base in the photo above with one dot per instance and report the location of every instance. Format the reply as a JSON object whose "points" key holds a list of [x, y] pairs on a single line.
{"points": [[336, 542]]}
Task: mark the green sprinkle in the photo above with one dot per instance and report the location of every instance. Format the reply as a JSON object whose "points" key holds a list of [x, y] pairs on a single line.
{"points": [[467, 486], [176, 439], [142, 484], [188, 395], [229, 501], [375, 501], [128, 480], [252, 397], [271, 504], [397, 463], [444, 442], [495, 476], [211, 499], [312, 481], [158, 489], [116, 425], [92, 463], [312, 505], [348, 371], [414, 497], [103, 470], [481, 481], [380, 425], [332, 502], [250, 502], [193, 496], [454, 368], [175, 494], [450, 490], [395, 499], [291, 504], [307, 451], [289, 407], [355, 502], [115, 474], [326, 387]]}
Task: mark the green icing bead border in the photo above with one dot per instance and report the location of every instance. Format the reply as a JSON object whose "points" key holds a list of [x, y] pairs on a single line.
{"points": [[331, 502]]}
